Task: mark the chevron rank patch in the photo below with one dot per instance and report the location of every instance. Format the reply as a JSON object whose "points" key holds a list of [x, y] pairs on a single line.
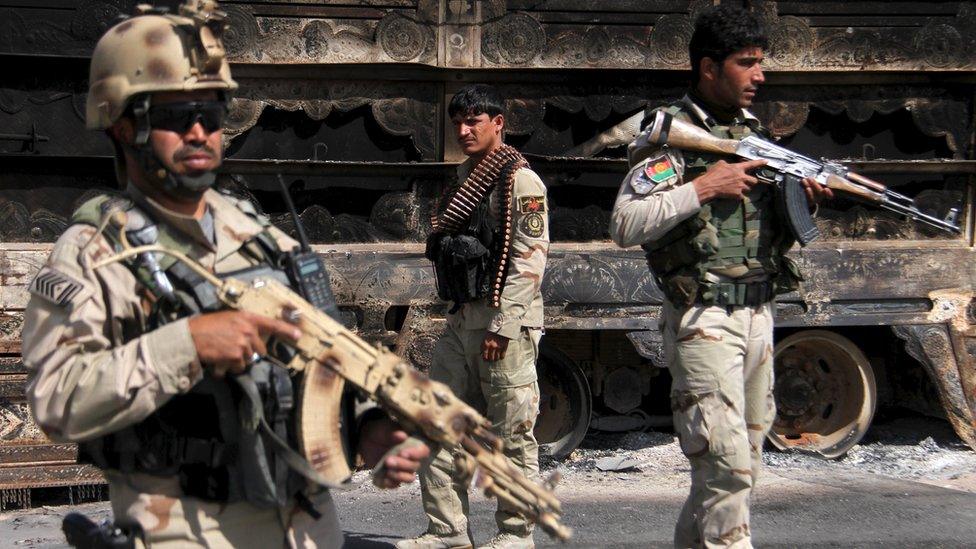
{"points": [[530, 204], [57, 287]]}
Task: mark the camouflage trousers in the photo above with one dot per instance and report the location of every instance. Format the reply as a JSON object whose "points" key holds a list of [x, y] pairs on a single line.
{"points": [[721, 363], [170, 520], [507, 393]]}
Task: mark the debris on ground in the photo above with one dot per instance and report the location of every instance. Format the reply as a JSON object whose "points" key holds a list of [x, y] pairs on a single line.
{"points": [[634, 451], [908, 448]]}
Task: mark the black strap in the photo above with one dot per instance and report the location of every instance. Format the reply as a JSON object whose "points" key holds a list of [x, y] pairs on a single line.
{"points": [[665, 129], [263, 248], [306, 505], [279, 446], [737, 294]]}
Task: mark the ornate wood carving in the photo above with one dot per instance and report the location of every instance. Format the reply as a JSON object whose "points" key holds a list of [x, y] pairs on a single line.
{"points": [[593, 275], [399, 109], [932, 346], [396, 37], [472, 33]]}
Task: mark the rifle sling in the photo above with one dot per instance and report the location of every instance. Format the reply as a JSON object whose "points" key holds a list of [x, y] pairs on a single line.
{"points": [[257, 421]]}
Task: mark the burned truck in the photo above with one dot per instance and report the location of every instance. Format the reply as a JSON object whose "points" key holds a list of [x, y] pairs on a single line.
{"points": [[346, 100]]}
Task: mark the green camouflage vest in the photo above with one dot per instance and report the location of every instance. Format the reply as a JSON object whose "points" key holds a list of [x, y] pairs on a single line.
{"points": [[725, 234]]}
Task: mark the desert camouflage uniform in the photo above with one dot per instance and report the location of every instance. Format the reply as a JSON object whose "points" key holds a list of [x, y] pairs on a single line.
{"points": [[506, 390], [720, 356], [94, 370]]}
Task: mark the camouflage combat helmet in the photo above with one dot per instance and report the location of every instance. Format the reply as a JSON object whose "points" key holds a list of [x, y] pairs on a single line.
{"points": [[157, 52]]}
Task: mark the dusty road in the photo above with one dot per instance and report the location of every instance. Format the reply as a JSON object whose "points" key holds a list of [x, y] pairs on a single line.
{"points": [[903, 489], [795, 508]]}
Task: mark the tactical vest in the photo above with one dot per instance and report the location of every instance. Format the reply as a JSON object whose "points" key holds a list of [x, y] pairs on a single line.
{"points": [[725, 235], [463, 261], [207, 437]]}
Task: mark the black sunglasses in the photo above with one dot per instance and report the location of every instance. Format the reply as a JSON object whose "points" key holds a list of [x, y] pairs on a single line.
{"points": [[180, 117]]}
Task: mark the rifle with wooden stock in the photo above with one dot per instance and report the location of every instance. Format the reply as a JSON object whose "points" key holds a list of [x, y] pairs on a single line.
{"points": [[329, 356], [787, 170]]}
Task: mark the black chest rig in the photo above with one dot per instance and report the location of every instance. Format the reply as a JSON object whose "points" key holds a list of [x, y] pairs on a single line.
{"points": [[463, 261], [225, 440], [471, 252]]}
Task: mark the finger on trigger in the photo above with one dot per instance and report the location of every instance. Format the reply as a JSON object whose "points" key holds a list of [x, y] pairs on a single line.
{"points": [[257, 346], [272, 326]]}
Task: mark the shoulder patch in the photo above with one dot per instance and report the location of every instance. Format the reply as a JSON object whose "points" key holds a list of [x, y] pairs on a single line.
{"points": [[529, 204], [533, 225], [657, 170], [661, 170], [57, 287]]}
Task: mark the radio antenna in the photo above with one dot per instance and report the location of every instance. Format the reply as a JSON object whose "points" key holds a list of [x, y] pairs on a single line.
{"points": [[299, 228]]}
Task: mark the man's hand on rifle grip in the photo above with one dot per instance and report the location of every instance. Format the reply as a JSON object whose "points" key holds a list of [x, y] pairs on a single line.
{"points": [[227, 341], [377, 438], [727, 180], [816, 193]]}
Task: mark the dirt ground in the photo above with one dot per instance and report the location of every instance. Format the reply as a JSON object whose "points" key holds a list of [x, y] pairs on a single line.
{"points": [[911, 447]]}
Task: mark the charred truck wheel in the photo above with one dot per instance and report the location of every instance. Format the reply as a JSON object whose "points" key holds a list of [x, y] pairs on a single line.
{"points": [[825, 393], [565, 403]]}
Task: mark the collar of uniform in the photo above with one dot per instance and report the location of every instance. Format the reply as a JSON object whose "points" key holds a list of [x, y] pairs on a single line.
{"points": [[232, 227], [464, 169], [700, 108], [186, 224]]}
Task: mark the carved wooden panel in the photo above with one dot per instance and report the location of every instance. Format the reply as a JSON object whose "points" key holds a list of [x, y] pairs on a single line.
{"points": [[399, 109], [593, 275], [806, 36]]}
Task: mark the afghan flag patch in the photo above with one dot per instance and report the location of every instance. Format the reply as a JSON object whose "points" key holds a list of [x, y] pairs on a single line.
{"points": [[660, 171]]}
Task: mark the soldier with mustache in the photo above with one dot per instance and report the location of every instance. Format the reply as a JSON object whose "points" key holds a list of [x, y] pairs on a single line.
{"points": [[134, 361]]}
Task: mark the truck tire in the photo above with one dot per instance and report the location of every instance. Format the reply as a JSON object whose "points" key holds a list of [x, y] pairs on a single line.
{"points": [[825, 393], [565, 403]]}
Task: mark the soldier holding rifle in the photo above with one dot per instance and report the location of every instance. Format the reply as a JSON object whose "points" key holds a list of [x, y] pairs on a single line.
{"points": [[128, 361], [715, 244]]}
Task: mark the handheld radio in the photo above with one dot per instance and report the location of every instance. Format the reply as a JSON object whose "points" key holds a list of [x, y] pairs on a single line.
{"points": [[305, 268]]}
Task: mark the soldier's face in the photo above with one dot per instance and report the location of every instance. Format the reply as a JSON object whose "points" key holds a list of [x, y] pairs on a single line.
{"points": [[738, 77], [191, 147], [478, 134]]}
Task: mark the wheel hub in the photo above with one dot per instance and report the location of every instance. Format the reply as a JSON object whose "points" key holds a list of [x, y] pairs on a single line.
{"points": [[795, 395]]}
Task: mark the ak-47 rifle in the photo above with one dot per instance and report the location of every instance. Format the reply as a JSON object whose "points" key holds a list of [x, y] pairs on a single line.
{"points": [[329, 355], [787, 169]]}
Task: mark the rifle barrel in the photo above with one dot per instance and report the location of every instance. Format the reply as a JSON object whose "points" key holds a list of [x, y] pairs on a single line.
{"points": [[916, 214]]}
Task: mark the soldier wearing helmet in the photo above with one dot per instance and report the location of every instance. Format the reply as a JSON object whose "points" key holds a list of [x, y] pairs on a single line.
{"points": [[131, 360]]}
